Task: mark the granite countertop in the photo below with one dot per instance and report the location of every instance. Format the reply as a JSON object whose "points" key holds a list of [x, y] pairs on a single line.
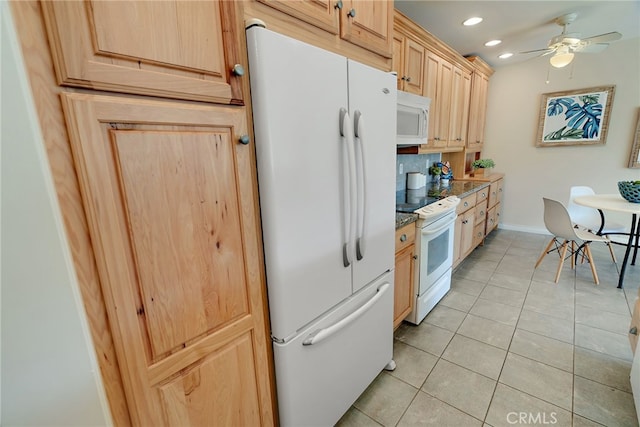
{"points": [[455, 188]]}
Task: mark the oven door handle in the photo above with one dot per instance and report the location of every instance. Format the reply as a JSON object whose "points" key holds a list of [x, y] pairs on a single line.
{"points": [[439, 229]]}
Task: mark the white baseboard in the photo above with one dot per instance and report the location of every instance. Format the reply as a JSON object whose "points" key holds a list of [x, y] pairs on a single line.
{"points": [[524, 229]]}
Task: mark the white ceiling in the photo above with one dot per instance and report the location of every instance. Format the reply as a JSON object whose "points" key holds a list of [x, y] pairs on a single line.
{"points": [[521, 25]]}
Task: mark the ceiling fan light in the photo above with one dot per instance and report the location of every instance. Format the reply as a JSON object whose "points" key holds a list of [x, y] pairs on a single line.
{"points": [[561, 59]]}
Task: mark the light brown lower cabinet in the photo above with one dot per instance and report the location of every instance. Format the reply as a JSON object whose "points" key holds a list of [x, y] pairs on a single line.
{"points": [[170, 202], [404, 280], [463, 236], [634, 327]]}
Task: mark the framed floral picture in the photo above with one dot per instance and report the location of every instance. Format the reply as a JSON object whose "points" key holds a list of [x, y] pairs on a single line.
{"points": [[575, 117]]}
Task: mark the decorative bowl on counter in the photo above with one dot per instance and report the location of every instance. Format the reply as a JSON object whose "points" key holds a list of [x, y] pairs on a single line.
{"points": [[630, 190]]}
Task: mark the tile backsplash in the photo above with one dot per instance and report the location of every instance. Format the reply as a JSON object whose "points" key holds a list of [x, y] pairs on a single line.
{"points": [[406, 163]]}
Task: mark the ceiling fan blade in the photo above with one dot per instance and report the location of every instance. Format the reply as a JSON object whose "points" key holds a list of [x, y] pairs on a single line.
{"points": [[591, 48], [545, 51], [603, 38]]}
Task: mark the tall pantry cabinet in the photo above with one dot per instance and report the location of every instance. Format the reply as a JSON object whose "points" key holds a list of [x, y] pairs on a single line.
{"points": [[158, 195]]}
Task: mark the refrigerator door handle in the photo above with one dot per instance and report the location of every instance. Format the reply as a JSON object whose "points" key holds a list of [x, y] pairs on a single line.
{"points": [[324, 333], [358, 126], [349, 189]]}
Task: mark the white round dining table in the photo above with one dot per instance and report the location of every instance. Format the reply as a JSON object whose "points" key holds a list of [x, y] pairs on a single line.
{"points": [[616, 203]]}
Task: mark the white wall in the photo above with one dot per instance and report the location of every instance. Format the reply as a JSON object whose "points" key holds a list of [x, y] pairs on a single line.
{"points": [[512, 123], [49, 373]]}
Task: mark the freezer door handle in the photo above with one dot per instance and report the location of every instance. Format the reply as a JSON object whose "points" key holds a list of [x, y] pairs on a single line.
{"points": [[322, 334], [359, 130]]}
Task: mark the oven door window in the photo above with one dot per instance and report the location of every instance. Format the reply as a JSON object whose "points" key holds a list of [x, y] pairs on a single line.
{"points": [[438, 251]]}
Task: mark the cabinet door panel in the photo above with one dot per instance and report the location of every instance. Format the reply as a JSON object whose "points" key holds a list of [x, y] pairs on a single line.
{"points": [[321, 13], [398, 60], [371, 27], [175, 49], [404, 295], [169, 196], [414, 67]]}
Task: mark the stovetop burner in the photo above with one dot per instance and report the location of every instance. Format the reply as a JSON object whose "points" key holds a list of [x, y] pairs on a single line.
{"points": [[408, 201]]}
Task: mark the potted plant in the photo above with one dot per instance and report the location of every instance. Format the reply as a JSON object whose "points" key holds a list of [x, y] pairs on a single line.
{"points": [[435, 171], [482, 167]]}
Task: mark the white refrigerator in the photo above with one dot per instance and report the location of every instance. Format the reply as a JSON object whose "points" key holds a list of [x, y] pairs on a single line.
{"points": [[325, 143]]}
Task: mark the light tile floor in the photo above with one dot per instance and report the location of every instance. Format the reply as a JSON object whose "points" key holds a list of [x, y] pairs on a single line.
{"points": [[507, 346]]}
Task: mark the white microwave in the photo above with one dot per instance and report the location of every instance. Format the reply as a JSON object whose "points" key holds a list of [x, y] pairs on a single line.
{"points": [[413, 119]]}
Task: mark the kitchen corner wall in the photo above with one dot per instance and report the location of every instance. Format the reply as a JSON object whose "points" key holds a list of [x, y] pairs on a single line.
{"points": [[512, 123], [413, 163], [49, 374]]}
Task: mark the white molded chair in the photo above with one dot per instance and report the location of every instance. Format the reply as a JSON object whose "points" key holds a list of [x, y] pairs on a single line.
{"points": [[589, 218], [566, 236]]}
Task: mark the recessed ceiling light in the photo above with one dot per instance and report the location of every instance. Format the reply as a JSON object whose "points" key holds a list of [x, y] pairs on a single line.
{"points": [[493, 43], [505, 55], [472, 21]]}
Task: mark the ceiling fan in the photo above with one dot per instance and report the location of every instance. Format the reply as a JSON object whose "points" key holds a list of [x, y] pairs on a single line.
{"points": [[565, 45]]}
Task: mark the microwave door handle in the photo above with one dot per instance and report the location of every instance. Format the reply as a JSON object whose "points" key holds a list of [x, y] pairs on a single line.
{"points": [[425, 115], [361, 180]]}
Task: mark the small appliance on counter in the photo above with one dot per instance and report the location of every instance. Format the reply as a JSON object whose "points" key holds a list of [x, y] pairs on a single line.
{"points": [[416, 180]]}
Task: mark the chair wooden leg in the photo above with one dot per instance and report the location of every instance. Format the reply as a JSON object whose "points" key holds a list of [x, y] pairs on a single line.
{"points": [[573, 251], [544, 253], [563, 253], [587, 249]]}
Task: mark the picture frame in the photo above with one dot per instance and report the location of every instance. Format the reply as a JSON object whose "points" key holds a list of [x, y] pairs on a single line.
{"points": [[634, 158], [575, 117]]}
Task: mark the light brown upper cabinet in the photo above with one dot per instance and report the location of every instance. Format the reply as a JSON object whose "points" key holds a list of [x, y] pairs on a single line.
{"points": [[408, 61], [478, 104], [365, 23], [175, 49], [460, 99], [438, 86], [170, 198]]}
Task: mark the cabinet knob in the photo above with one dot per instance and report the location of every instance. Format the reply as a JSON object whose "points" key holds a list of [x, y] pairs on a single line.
{"points": [[500, 190], [403, 238], [481, 213], [633, 331], [244, 139], [338, 4], [466, 204], [403, 78], [415, 257], [352, 13], [238, 70], [464, 221], [408, 79]]}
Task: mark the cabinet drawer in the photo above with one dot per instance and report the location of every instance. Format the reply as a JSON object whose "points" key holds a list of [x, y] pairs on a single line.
{"points": [[405, 236], [480, 212], [466, 203], [478, 234], [482, 194]]}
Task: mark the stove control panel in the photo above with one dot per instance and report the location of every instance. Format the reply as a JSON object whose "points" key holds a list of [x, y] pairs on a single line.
{"points": [[438, 208]]}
